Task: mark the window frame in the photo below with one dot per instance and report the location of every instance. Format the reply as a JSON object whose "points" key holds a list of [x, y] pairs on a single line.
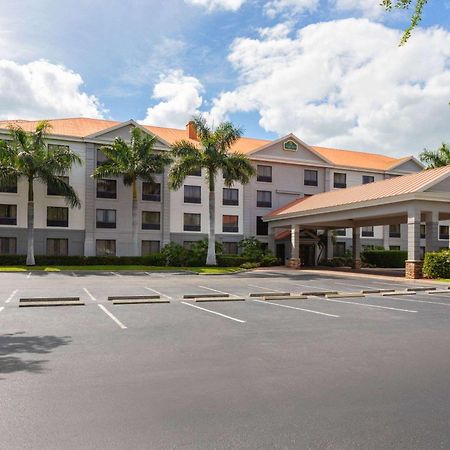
{"points": [[192, 199], [59, 240], [149, 225], [195, 227], [395, 234], [260, 223], [97, 241], [106, 194], [60, 223], [153, 197], [52, 191], [263, 203], [338, 184], [11, 217], [151, 241], [234, 228], [9, 239], [310, 182], [264, 178], [105, 224], [230, 202]]}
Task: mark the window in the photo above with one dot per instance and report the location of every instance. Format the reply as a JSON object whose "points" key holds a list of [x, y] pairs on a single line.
{"points": [[394, 247], [366, 179], [339, 249], [150, 247], [195, 173], [341, 232], [422, 252], [340, 180], [151, 220], [230, 196], [57, 247], [367, 231], [106, 188], [8, 214], [310, 177], [53, 189], [192, 222], [443, 232], [58, 147], [263, 173], [105, 247], [422, 231], [57, 216], [192, 194], [230, 248], [10, 188], [262, 228], [106, 218], [102, 158], [230, 224], [151, 191], [394, 231], [8, 245], [264, 199]]}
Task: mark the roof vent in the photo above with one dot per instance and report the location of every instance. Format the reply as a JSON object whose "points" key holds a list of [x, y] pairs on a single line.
{"points": [[191, 131]]}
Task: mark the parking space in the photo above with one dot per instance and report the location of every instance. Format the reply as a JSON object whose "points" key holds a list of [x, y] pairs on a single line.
{"points": [[308, 373]]}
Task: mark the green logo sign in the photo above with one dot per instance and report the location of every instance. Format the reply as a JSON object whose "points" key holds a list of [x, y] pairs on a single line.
{"points": [[291, 146]]}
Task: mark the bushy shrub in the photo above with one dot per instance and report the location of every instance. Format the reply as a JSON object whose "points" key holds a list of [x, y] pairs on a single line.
{"points": [[174, 255], [231, 260], [338, 261], [437, 264], [252, 248], [198, 251], [269, 260], [250, 265], [385, 258]]}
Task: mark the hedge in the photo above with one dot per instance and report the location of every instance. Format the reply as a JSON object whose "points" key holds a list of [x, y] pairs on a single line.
{"points": [[437, 264], [385, 258]]}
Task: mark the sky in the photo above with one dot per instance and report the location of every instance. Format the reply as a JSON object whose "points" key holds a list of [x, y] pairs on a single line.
{"points": [[329, 71]]}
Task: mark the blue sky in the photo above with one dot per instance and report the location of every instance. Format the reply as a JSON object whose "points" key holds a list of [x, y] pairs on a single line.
{"points": [[123, 49]]}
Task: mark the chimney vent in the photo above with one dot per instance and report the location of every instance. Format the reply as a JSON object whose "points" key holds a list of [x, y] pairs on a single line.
{"points": [[191, 132]]}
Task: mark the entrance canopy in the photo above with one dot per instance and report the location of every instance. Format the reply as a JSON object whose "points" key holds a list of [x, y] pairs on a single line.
{"points": [[419, 197]]}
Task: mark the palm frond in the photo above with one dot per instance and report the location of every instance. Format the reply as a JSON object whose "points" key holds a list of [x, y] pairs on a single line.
{"points": [[63, 188], [237, 167], [436, 158]]}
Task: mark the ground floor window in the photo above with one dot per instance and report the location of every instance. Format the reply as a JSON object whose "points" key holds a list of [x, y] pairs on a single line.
{"points": [[423, 231], [339, 249], [394, 231], [57, 247], [394, 247], [443, 232], [150, 247], [367, 231], [105, 247], [262, 228], [8, 245], [422, 252], [341, 232], [230, 248]]}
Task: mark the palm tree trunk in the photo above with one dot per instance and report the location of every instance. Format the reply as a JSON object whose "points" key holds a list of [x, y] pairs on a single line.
{"points": [[30, 224], [134, 221], [211, 257]]}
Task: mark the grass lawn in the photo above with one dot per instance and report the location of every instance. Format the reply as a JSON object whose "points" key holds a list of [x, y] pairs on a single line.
{"points": [[112, 268]]}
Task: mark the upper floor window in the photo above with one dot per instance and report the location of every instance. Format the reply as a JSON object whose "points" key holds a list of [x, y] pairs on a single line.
{"points": [[367, 231], [264, 199], [105, 247], [52, 189], [57, 216], [102, 158], [394, 231], [57, 247], [151, 191], [263, 173], [366, 179], [151, 220], [8, 245], [230, 196], [106, 188], [8, 214], [192, 222], [230, 224], [422, 231], [192, 194], [10, 188], [58, 147], [106, 218], [340, 180], [443, 232], [311, 177], [195, 172], [262, 228]]}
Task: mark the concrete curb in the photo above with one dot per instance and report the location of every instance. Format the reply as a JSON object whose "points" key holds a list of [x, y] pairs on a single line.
{"points": [[285, 297], [51, 303], [193, 296], [346, 295], [48, 299], [269, 294], [219, 299], [319, 293], [440, 291], [396, 293], [376, 291], [132, 297], [138, 301]]}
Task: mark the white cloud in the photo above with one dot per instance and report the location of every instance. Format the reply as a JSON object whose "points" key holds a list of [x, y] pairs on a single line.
{"points": [[368, 8], [210, 5], [347, 84], [274, 8], [180, 97], [40, 89]]}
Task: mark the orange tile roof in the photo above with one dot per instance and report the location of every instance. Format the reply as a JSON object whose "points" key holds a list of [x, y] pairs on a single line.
{"points": [[82, 127], [406, 184]]}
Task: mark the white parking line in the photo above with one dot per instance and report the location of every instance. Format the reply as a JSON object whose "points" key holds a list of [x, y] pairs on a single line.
{"points": [[157, 292], [113, 317], [29, 275], [368, 305], [90, 295], [214, 312], [295, 307], [116, 274], [2, 308], [11, 296], [216, 290], [265, 288], [416, 301], [74, 274]]}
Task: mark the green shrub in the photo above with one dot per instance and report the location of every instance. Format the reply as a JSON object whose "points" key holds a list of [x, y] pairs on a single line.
{"points": [[269, 260], [174, 255], [437, 264], [231, 260], [252, 249], [338, 261], [250, 265], [385, 258], [196, 255]]}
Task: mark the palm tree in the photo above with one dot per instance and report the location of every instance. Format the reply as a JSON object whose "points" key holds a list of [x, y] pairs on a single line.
{"points": [[436, 158], [27, 155], [214, 155], [133, 161]]}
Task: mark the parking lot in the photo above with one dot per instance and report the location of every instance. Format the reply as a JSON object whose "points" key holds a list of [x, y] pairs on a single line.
{"points": [[328, 373]]}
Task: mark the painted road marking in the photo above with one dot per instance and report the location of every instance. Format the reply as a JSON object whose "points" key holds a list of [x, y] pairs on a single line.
{"points": [[216, 290], [113, 317], [29, 275], [370, 306], [157, 292], [416, 301], [11, 296], [116, 274], [214, 312], [2, 308], [90, 295], [265, 288], [265, 302], [74, 274]]}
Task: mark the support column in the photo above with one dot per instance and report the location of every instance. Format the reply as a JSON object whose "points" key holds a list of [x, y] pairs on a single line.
{"points": [[271, 238], [432, 231], [294, 262], [413, 265], [356, 240], [330, 249], [386, 237]]}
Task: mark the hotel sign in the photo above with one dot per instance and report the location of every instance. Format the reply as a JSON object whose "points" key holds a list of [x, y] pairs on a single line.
{"points": [[290, 145]]}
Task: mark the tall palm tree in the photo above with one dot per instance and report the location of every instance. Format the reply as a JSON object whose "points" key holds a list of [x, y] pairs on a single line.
{"points": [[27, 155], [436, 158], [133, 161], [214, 155]]}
